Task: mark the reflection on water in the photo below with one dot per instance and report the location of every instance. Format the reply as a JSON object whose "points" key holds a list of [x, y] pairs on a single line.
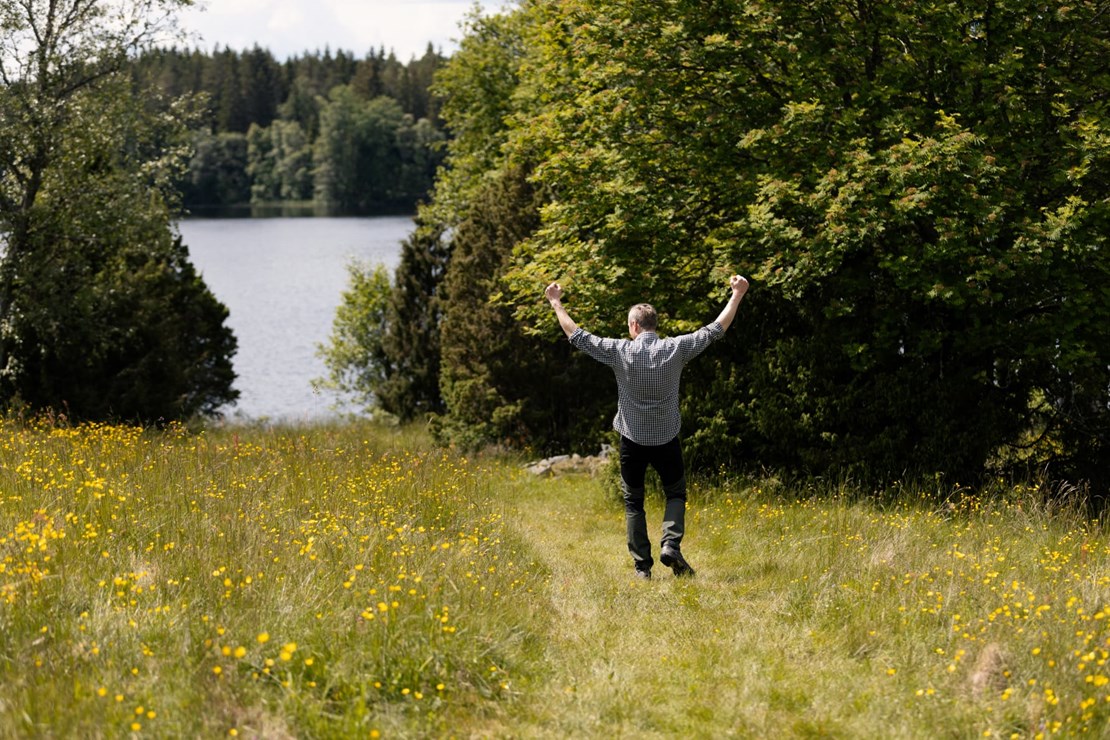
{"points": [[281, 279]]}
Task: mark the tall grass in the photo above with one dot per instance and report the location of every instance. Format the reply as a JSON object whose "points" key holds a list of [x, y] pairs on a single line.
{"points": [[354, 581], [334, 581], [980, 616], [826, 613]]}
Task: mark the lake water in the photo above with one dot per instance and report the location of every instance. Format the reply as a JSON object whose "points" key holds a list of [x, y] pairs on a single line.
{"points": [[281, 280]]}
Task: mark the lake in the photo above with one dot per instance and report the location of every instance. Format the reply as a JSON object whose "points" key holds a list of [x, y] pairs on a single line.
{"points": [[281, 280]]}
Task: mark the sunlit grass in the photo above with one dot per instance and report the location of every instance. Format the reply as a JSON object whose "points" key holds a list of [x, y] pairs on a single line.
{"points": [[264, 582], [355, 581], [827, 614], [985, 612]]}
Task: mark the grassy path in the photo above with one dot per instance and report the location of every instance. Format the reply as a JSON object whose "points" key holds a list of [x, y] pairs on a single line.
{"points": [[616, 643], [707, 657]]}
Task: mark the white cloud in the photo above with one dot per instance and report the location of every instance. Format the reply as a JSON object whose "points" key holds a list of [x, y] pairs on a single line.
{"points": [[286, 17], [289, 27]]}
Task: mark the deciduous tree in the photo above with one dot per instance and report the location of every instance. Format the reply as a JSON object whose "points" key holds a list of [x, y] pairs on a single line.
{"points": [[101, 314], [919, 189]]}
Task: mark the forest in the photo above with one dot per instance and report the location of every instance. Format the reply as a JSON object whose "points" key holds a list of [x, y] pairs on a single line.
{"points": [[333, 130], [919, 192]]}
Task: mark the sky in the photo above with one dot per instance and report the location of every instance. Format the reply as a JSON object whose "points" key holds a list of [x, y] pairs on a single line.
{"points": [[292, 27]]}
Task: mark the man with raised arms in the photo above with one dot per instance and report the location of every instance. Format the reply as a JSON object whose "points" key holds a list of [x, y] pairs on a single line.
{"points": [[648, 369]]}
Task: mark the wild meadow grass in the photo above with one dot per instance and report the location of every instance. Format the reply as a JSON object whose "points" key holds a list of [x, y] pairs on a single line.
{"points": [[337, 581], [975, 616], [355, 581]]}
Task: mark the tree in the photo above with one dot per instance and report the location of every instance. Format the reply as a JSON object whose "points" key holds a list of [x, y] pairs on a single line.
{"points": [[384, 350], [356, 154], [420, 151], [519, 390], [412, 342], [302, 106], [263, 90], [249, 92], [218, 170], [478, 87], [354, 354], [293, 160], [102, 314], [262, 165], [499, 384], [919, 189], [338, 149]]}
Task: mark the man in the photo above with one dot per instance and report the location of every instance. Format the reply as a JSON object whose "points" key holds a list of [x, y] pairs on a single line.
{"points": [[648, 370]]}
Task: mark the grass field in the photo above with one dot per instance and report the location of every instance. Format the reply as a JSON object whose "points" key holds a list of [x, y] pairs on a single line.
{"points": [[354, 581]]}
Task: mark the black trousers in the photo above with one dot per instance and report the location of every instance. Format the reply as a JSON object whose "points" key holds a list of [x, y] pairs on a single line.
{"points": [[667, 461]]}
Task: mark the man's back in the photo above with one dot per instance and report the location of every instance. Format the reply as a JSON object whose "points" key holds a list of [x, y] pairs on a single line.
{"points": [[648, 370]]}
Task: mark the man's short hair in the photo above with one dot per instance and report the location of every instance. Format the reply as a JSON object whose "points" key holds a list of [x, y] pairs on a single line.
{"points": [[644, 315]]}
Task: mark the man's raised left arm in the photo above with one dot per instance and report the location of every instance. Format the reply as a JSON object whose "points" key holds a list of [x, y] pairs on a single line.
{"points": [[739, 287]]}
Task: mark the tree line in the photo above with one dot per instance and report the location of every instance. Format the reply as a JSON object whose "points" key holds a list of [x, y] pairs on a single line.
{"points": [[336, 130], [920, 193]]}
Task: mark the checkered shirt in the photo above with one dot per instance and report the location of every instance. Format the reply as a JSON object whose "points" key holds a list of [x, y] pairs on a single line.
{"points": [[648, 370]]}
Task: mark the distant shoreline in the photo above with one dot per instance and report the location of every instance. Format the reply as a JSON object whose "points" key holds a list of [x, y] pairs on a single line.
{"points": [[291, 209]]}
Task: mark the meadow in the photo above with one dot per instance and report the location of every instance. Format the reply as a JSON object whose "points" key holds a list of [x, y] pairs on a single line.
{"points": [[356, 581]]}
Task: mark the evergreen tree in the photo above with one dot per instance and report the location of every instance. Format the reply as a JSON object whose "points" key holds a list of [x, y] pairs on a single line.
{"points": [[499, 383], [412, 340], [367, 80], [229, 106], [251, 88], [263, 90], [302, 106]]}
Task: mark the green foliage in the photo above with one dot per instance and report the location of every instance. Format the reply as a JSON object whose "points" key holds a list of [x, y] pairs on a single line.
{"points": [[354, 355], [420, 148], [279, 162], [412, 339], [517, 390], [384, 350], [354, 152], [498, 384], [102, 315], [920, 191], [218, 169], [369, 153], [251, 93]]}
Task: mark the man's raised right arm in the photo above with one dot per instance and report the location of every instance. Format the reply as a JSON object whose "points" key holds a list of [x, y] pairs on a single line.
{"points": [[554, 295]]}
